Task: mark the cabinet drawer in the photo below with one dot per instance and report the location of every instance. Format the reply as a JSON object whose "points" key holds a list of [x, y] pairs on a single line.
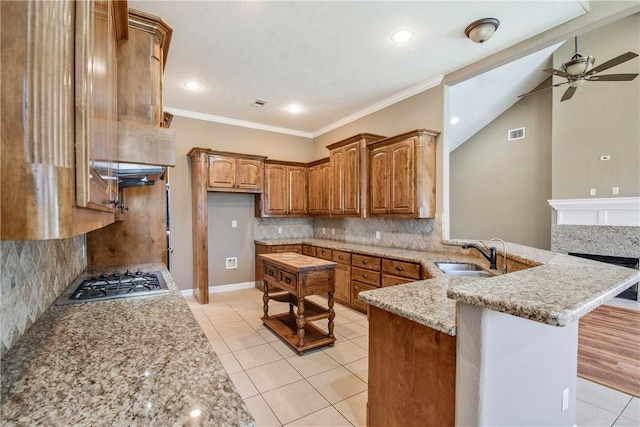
{"points": [[365, 276], [356, 288], [286, 248], [401, 268], [270, 271], [341, 257], [388, 280], [309, 250], [287, 280], [368, 262], [324, 253]]}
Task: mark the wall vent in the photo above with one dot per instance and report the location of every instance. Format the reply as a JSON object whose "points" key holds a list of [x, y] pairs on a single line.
{"points": [[516, 134], [260, 103]]}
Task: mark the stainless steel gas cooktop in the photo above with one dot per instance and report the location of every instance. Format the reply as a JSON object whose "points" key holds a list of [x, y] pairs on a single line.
{"points": [[114, 285]]}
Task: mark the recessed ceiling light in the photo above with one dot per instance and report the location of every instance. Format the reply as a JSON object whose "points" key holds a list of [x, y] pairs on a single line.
{"points": [[294, 108], [192, 85], [402, 36], [454, 120]]}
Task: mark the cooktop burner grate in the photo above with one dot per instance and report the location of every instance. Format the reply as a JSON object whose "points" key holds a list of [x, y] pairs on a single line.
{"points": [[115, 285]]}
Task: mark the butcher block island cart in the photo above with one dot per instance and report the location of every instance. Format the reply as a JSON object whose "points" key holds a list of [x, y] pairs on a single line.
{"points": [[290, 278]]}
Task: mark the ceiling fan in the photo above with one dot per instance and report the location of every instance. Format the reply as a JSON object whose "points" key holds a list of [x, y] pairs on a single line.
{"points": [[580, 69]]}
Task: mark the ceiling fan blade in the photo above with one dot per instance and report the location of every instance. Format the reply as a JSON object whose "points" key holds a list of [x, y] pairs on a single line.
{"points": [[568, 93], [543, 89], [613, 78], [613, 62], [556, 72]]}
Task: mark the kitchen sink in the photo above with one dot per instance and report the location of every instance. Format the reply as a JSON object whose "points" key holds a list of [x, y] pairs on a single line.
{"points": [[462, 269]]}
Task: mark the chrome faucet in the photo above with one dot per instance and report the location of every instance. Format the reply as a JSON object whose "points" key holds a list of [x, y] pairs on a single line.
{"points": [[491, 256]]}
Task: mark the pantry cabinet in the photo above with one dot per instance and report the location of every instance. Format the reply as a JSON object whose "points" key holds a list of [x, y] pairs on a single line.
{"points": [[58, 136], [402, 177], [285, 190], [235, 173], [348, 175]]}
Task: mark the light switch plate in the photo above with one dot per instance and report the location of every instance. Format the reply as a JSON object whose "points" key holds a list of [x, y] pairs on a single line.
{"points": [[234, 223]]}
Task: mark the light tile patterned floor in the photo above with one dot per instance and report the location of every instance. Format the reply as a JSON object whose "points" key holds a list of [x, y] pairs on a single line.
{"points": [[328, 386]]}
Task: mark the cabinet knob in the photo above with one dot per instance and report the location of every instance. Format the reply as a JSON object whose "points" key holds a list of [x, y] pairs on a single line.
{"points": [[399, 268], [364, 275], [287, 280], [339, 256], [365, 262]]}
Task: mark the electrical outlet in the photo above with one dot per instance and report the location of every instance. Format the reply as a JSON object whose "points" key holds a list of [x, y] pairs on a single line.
{"points": [[324, 230], [279, 230], [615, 191], [377, 235], [592, 191], [231, 263], [565, 399], [333, 231], [234, 223]]}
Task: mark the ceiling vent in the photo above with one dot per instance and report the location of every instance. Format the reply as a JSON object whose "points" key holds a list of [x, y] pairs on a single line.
{"points": [[516, 134], [260, 103]]}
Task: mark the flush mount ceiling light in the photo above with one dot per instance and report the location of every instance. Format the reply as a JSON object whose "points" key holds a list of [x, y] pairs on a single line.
{"points": [[402, 36], [294, 108], [481, 30], [192, 85]]}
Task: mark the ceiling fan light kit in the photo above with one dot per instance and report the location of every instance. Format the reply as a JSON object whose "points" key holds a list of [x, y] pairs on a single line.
{"points": [[481, 30], [580, 69]]}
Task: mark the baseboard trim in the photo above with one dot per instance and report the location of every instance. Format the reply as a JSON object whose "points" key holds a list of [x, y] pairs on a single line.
{"points": [[222, 288]]}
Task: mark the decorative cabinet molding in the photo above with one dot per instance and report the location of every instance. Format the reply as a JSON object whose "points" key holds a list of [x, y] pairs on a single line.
{"points": [[614, 211], [349, 175], [38, 120], [402, 177], [285, 190]]}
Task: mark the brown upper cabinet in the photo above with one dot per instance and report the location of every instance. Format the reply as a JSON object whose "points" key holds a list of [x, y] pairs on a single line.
{"points": [[143, 136], [348, 175], [235, 172], [58, 141], [402, 181], [319, 176], [285, 190]]}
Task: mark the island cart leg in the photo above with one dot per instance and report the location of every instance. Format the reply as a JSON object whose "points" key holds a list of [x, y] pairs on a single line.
{"points": [[300, 322], [265, 300], [332, 314]]}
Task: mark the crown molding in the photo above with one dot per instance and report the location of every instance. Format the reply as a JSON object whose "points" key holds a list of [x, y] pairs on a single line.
{"points": [[235, 122], [400, 96], [614, 211]]}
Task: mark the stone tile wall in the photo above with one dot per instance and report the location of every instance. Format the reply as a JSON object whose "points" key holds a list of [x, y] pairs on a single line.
{"points": [[267, 228], [416, 234], [33, 274]]}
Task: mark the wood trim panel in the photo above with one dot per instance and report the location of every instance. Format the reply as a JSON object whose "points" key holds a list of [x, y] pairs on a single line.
{"points": [[200, 219], [147, 145]]}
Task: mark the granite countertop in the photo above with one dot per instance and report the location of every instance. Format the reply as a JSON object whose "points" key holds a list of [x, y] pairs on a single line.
{"points": [[556, 289], [132, 361]]}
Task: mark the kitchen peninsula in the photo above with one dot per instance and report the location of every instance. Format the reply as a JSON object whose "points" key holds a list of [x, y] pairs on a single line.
{"points": [[132, 361], [515, 334]]}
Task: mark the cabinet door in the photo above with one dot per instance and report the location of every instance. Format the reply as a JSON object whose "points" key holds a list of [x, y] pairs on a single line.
{"points": [[343, 283], [337, 181], [249, 174], [297, 190], [325, 189], [356, 288], [402, 175], [96, 105], [222, 172], [379, 181], [351, 174], [315, 190], [275, 190]]}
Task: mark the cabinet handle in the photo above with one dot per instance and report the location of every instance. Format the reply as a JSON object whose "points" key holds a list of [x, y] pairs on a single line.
{"points": [[399, 268]]}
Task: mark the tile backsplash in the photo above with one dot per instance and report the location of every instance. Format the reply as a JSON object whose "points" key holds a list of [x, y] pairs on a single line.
{"points": [[33, 274], [415, 234], [292, 228]]}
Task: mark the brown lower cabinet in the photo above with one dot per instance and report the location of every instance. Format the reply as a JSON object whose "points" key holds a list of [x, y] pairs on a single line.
{"points": [[418, 388], [270, 249]]}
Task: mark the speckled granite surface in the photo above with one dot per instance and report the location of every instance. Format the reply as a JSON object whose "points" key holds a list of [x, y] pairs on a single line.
{"points": [[122, 362], [557, 290]]}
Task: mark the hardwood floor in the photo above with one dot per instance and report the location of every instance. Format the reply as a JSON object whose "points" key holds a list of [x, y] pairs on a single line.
{"points": [[609, 348]]}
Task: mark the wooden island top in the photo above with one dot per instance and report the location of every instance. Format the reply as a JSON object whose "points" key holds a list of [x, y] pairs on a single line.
{"points": [[297, 261]]}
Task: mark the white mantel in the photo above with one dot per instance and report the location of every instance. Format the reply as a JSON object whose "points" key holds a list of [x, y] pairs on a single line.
{"points": [[616, 211]]}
